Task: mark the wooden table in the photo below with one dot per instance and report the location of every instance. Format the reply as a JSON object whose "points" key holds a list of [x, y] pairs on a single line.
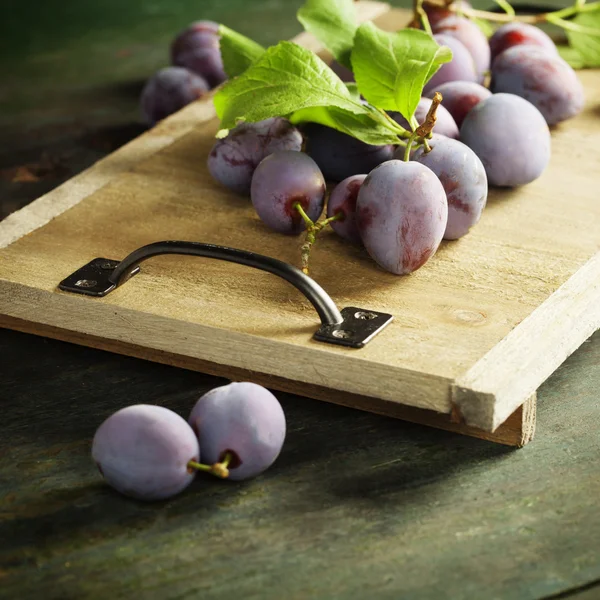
{"points": [[357, 506]]}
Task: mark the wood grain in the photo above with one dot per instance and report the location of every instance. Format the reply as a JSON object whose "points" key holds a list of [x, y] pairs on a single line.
{"points": [[70, 193], [490, 390], [449, 315]]}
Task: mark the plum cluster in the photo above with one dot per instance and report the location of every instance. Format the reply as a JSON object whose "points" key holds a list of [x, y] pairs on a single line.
{"points": [[149, 452], [400, 210], [197, 67], [522, 59]]}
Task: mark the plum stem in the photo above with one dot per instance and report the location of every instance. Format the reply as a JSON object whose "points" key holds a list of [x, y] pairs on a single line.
{"points": [[218, 469], [424, 130], [507, 17], [312, 230], [339, 216], [421, 17], [506, 7], [398, 129], [426, 127], [307, 220], [411, 139]]}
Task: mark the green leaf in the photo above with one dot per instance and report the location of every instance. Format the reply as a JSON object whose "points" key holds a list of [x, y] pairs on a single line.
{"points": [[238, 51], [572, 56], [442, 55], [333, 22], [353, 90], [370, 129], [392, 68], [586, 40], [286, 78]]}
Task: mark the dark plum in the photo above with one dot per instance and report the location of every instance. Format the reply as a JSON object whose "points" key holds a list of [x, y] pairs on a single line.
{"points": [[168, 91], [460, 68], [520, 34], [343, 200], [344, 73], [244, 420], [143, 451], [471, 36], [186, 40], [233, 159], [401, 215], [280, 181], [463, 176], [197, 49], [339, 155], [546, 80], [444, 125], [511, 138], [459, 97]]}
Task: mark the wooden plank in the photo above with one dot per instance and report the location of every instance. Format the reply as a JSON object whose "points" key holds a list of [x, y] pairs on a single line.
{"points": [[517, 430], [491, 389], [72, 192], [449, 315], [392, 510], [188, 334]]}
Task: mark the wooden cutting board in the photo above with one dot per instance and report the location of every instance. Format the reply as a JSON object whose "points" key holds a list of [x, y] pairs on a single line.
{"points": [[475, 331]]}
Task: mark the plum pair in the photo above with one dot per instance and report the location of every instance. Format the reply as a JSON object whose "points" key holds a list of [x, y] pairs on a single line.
{"points": [[149, 452]]}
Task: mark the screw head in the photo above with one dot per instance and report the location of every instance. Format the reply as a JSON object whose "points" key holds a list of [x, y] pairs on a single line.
{"points": [[108, 265], [342, 334], [86, 283], [364, 315]]}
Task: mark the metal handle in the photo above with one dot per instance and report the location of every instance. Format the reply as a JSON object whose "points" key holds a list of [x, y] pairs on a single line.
{"points": [[316, 295], [352, 326]]}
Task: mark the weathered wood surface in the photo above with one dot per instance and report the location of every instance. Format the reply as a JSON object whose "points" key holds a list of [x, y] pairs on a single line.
{"points": [[491, 388], [358, 506]]}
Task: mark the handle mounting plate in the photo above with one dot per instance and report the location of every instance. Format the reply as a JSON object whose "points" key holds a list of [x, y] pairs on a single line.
{"points": [[358, 327], [92, 279]]}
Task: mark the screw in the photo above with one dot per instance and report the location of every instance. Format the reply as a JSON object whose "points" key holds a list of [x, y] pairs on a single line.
{"points": [[342, 333], [365, 316], [86, 283], [109, 264]]}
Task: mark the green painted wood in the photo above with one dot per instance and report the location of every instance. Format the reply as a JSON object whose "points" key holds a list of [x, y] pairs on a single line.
{"points": [[357, 506], [590, 591]]}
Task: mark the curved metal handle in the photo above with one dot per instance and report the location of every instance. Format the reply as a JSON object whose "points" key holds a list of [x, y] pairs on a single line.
{"points": [[317, 296], [352, 326]]}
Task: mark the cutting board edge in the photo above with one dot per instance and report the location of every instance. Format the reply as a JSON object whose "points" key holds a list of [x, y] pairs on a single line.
{"points": [[517, 431], [516, 366], [345, 371]]}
